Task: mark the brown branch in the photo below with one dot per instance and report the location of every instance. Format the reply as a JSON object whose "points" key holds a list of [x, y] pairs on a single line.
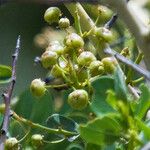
{"points": [[7, 96]]}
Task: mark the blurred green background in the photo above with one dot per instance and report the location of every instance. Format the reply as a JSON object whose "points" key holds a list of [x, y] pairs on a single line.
{"points": [[26, 20]]}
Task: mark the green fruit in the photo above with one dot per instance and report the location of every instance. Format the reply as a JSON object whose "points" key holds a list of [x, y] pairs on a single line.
{"points": [[78, 99], [109, 64], [11, 144], [37, 87], [55, 46], [37, 140], [73, 40], [94, 68], [64, 23], [104, 33], [85, 58], [52, 15], [48, 59]]}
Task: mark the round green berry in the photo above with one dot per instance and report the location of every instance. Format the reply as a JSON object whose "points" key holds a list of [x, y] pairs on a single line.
{"points": [[94, 68], [48, 59], [73, 40], [52, 15], [109, 64], [37, 140], [37, 87], [64, 23], [11, 144], [85, 58], [104, 34], [55, 46], [78, 99]]}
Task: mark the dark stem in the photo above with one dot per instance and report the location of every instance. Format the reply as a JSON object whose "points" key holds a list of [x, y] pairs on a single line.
{"points": [[128, 62], [111, 22], [7, 96]]}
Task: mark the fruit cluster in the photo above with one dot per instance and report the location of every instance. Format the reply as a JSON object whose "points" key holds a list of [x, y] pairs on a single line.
{"points": [[71, 62]]}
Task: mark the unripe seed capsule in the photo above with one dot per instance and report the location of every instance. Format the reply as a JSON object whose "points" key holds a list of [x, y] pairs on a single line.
{"points": [[48, 59], [37, 140], [73, 40], [37, 87], [94, 68], [104, 33], [85, 58], [78, 99], [55, 46], [64, 23], [11, 144], [52, 15], [109, 64]]}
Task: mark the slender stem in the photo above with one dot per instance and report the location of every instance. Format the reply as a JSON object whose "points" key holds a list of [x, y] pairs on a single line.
{"points": [[137, 80], [128, 62], [36, 125], [7, 96], [130, 72], [57, 86], [77, 22]]}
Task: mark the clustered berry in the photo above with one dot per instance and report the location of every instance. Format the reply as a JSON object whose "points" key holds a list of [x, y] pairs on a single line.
{"points": [[11, 144], [71, 62], [37, 140]]}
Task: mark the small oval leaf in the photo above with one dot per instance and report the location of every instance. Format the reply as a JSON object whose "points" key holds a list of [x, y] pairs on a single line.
{"points": [[99, 104], [57, 121], [5, 74]]}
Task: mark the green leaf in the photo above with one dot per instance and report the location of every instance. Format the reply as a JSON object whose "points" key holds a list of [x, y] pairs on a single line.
{"points": [[101, 131], [57, 121], [74, 146], [34, 109], [112, 99], [145, 128], [90, 146], [143, 103], [120, 85], [99, 104], [5, 74]]}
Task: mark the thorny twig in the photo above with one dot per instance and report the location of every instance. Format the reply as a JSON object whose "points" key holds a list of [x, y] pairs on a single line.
{"points": [[128, 62], [7, 96]]}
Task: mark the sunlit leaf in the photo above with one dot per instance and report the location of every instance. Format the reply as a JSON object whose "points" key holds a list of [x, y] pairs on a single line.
{"points": [[143, 103], [120, 85], [99, 104], [101, 131]]}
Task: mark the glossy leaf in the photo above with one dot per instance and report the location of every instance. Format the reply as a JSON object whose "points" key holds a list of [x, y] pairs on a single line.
{"points": [[101, 131], [143, 103], [57, 121], [143, 127], [99, 104], [5, 74], [120, 85]]}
